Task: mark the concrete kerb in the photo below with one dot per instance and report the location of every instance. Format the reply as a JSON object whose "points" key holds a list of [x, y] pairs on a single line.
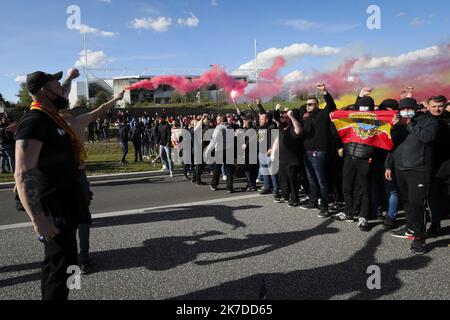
{"points": [[111, 177]]}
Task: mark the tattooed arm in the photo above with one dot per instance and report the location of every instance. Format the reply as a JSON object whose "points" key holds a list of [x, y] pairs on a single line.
{"points": [[67, 84], [27, 155]]}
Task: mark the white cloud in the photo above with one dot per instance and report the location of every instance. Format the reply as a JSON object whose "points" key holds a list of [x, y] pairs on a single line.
{"points": [[294, 76], [417, 22], [214, 3], [96, 59], [292, 53], [306, 25], [401, 14], [105, 1], [85, 29], [191, 22], [398, 61], [161, 24], [21, 79]]}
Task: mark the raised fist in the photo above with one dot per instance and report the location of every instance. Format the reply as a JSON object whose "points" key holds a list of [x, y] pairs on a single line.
{"points": [[365, 92], [321, 87], [73, 73]]}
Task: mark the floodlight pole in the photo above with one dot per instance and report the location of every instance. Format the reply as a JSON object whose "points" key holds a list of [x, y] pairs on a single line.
{"points": [[86, 70]]}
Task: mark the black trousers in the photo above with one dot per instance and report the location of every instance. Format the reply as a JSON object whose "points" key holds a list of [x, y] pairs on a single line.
{"points": [[60, 254], [289, 182], [437, 200], [356, 175], [137, 151], [413, 186], [251, 173], [229, 171], [197, 176]]}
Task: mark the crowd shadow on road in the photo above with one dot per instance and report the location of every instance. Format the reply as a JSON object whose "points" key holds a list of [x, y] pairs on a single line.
{"points": [[221, 213], [135, 181], [162, 254], [345, 278]]}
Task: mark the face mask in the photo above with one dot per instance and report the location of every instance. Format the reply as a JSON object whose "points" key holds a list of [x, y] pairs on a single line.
{"points": [[407, 114], [59, 102]]}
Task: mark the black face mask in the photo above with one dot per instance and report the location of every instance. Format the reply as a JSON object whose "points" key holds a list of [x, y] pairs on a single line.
{"points": [[285, 122], [59, 102]]}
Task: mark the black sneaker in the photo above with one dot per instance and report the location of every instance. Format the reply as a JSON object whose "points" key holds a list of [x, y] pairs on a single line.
{"points": [[86, 267], [213, 188], [293, 204], [433, 231], [309, 206], [403, 234], [363, 225], [342, 216], [278, 199], [418, 247], [264, 192], [324, 213], [389, 223]]}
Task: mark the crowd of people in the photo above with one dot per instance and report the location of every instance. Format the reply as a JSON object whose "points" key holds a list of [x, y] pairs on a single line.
{"points": [[7, 145], [301, 160], [352, 182]]}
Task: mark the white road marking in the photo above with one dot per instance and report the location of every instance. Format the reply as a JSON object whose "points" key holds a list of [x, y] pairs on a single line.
{"points": [[146, 210]]}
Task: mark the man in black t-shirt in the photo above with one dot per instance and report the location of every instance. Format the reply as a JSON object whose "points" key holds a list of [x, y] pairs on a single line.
{"points": [[290, 145], [47, 180]]}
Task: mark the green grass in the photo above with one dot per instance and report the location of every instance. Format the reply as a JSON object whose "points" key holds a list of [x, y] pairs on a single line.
{"points": [[6, 177], [104, 158]]}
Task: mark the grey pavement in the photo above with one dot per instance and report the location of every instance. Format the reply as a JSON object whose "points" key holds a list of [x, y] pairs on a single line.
{"points": [[224, 247]]}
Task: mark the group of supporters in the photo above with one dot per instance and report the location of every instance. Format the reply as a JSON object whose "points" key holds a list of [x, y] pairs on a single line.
{"points": [[302, 160]]}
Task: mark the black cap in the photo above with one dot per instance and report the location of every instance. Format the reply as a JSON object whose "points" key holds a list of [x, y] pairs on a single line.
{"points": [[388, 104], [366, 101], [36, 80], [408, 103]]}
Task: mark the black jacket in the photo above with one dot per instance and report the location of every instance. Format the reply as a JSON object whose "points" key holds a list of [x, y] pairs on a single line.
{"points": [[164, 134], [316, 132], [442, 143], [124, 134], [413, 144], [359, 150], [444, 174]]}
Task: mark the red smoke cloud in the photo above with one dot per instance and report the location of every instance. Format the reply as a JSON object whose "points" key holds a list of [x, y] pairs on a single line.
{"points": [[217, 76], [428, 77]]}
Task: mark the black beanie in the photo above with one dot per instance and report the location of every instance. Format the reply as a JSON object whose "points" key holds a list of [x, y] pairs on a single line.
{"points": [[408, 103], [366, 101], [388, 104]]}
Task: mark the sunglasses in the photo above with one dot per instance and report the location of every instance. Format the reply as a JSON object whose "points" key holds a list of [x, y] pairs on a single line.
{"points": [[311, 104]]}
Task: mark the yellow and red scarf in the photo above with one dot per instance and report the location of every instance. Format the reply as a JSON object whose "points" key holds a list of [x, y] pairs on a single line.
{"points": [[80, 152]]}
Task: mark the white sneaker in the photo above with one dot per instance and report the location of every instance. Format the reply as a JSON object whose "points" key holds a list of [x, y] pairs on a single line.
{"points": [[225, 178], [171, 174]]}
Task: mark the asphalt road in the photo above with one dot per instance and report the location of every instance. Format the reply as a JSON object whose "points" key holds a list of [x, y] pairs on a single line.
{"points": [[217, 246]]}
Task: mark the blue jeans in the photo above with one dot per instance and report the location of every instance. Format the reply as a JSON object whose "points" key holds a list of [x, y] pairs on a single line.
{"points": [[394, 197], [124, 146], [167, 159], [270, 181], [315, 163]]}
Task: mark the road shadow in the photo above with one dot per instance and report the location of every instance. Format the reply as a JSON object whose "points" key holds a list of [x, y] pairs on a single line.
{"points": [[166, 253], [349, 277], [221, 213], [136, 181]]}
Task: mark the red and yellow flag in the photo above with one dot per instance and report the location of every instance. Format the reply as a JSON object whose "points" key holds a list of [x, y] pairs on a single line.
{"points": [[372, 128]]}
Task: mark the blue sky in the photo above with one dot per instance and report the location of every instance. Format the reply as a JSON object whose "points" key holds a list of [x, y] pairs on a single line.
{"points": [[35, 37]]}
